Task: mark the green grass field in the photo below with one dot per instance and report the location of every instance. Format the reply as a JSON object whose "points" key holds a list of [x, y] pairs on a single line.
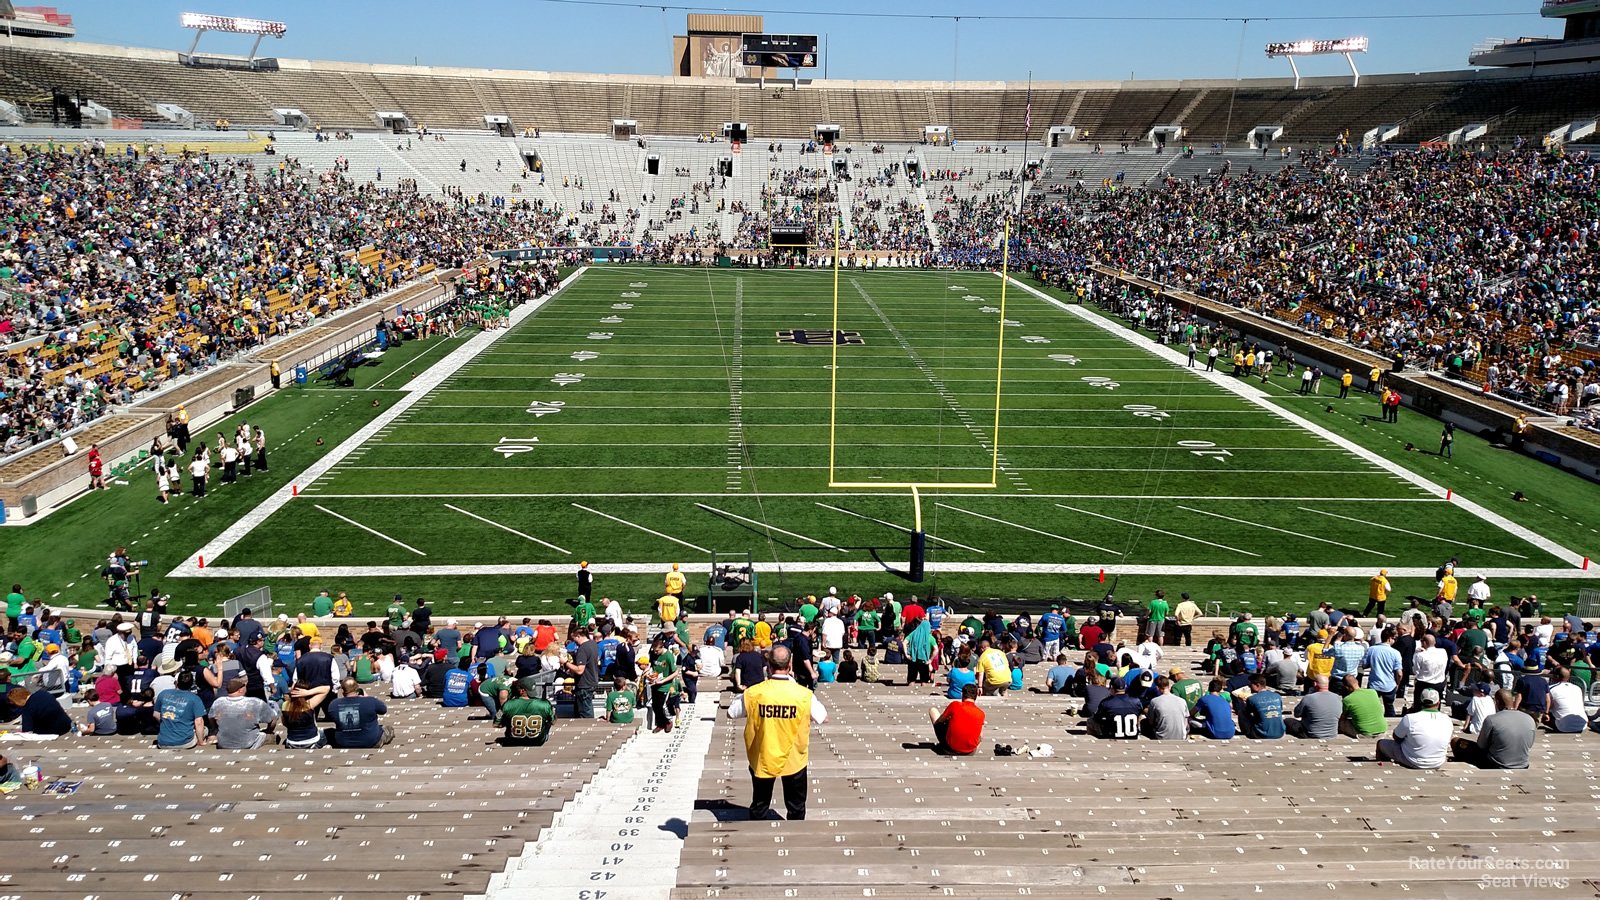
{"points": [[646, 416]]}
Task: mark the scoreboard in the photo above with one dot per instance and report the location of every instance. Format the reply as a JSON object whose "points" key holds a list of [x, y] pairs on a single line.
{"points": [[779, 51], [789, 236]]}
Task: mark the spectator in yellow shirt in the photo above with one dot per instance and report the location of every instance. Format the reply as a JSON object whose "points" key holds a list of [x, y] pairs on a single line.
{"points": [[993, 670], [1378, 589]]}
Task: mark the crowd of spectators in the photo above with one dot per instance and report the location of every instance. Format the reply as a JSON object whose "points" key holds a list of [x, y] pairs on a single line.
{"points": [[1482, 265], [120, 271]]}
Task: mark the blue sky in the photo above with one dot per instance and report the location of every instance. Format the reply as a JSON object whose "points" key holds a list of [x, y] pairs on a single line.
{"points": [[532, 34]]}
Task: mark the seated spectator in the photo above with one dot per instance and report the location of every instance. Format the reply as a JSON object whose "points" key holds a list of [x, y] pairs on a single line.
{"points": [[457, 683], [1479, 706], [1167, 716], [41, 712], [181, 715], [1095, 691], [1317, 714], [1060, 677], [620, 702], [243, 723], [528, 721], [1422, 738], [301, 731], [355, 719], [1503, 741], [1118, 716], [405, 683], [1566, 703], [849, 669], [494, 691], [101, 720], [1261, 713], [1213, 712], [1361, 713], [959, 676], [959, 728]]}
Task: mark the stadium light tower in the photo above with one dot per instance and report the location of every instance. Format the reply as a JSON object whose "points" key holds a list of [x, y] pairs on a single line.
{"points": [[203, 23], [1341, 46]]}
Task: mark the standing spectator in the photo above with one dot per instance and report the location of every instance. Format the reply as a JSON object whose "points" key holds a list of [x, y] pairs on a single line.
{"points": [[585, 668], [585, 580], [778, 714], [1185, 614]]}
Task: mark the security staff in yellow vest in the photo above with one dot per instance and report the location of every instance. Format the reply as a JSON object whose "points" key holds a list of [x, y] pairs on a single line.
{"points": [[277, 375], [675, 582], [777, 735]]}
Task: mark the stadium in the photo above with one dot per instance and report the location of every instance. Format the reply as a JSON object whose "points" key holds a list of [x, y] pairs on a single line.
{"points": [[424, 480]]}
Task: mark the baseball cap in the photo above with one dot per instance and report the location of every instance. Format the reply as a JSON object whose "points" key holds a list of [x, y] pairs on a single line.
{"points": [[52, 648], [1484, 688], [451, 623], [1428, 697]]}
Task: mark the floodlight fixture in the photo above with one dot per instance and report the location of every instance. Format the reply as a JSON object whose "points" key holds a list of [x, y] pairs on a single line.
{"points": [[261, 28], [1337, 46]]}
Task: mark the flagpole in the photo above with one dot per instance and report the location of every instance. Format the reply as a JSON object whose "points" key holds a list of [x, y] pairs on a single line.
{"points": [[1027, 134]]}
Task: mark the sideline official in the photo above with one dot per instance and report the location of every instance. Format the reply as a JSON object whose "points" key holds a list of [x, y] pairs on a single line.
{"points": [[777, 735]]}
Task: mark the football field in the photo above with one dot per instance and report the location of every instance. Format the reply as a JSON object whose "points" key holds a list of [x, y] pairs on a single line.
{"points": [[644, 416]]}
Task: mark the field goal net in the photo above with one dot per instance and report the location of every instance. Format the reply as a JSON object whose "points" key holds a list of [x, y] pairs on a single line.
{"points": [[258, 601]]}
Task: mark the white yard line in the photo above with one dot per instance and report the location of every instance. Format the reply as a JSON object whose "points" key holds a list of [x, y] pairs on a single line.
{"points": [[1420, 534], [1309, 537], [416, 390], [1227, 382], [1156, 530], [508, 528], [808, 494], [411, 362], [372, 531], [841, 567], [900, 528], [876, 469], [641, 528], [769, 527], [1027, 528]]}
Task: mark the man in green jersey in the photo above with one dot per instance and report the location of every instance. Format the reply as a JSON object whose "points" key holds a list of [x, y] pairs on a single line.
{"points": [[868, 620], [620, 702], [396, 614], [583, 613], [527, 721]]}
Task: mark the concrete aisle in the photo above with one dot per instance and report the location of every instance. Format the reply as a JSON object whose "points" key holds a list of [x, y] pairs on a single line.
{"points": [[621, 837]]}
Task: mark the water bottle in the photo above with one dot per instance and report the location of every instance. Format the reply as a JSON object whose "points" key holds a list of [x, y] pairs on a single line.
{"points": [[32, 775]]}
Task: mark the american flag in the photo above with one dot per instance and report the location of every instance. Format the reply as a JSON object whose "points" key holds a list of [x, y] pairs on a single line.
{"points": [[1027, 117]]}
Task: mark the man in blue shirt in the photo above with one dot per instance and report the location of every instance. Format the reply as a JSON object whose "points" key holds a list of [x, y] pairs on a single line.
{"points": [[1383, 664], [182, 716], [606, 650], [1348, 654], [1052, 625], [1213, 714], [355, 719], [716, 634], [1263, 711], [936, 613], [457, 684], [1061, 675]]}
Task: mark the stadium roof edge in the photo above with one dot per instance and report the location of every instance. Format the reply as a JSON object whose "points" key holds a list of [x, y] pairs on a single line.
{"points": [[293, 64]]}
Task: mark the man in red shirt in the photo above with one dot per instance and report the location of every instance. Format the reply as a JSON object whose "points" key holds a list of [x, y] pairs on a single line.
{"points": [[97, 469], [1090, 634], [960, 727]]}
